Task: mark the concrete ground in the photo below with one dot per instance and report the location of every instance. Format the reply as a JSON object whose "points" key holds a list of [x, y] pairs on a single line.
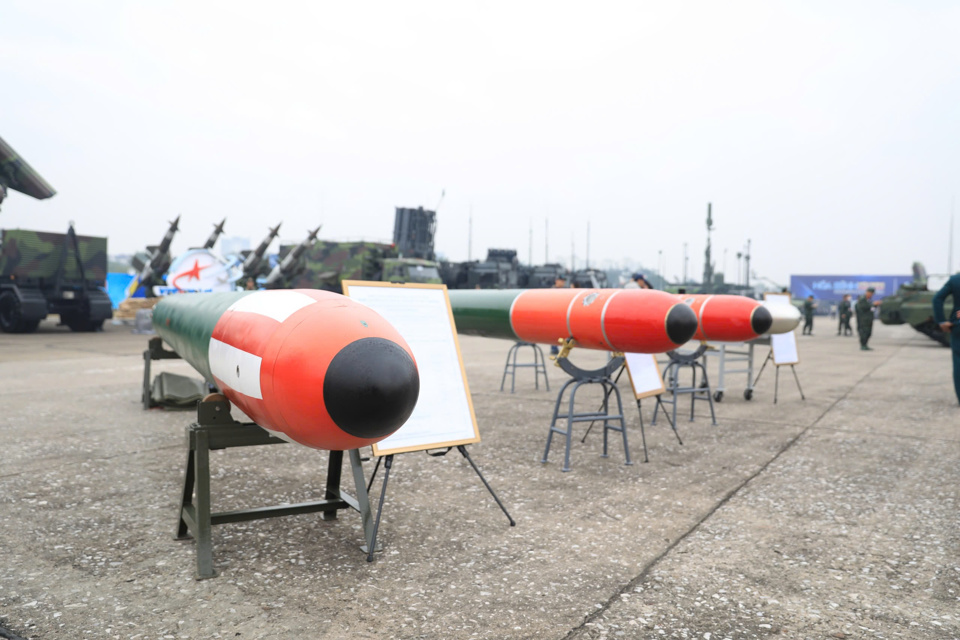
{"points": [[834, 517]]}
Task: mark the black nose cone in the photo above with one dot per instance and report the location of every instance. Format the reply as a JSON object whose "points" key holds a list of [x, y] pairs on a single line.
{"points": [[371, 387], [681, 323], [761, 320]]}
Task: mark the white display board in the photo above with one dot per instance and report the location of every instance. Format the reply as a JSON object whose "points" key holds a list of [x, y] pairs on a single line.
{"points": [[784, 345], [644, 373], [444, 414]]}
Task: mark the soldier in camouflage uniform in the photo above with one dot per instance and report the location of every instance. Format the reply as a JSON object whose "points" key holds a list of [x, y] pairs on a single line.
{"points": [[843, 314], [808, 306], [864, 311]]}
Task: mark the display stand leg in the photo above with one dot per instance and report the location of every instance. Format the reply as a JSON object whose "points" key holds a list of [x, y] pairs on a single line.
{"points": [[606, 396], [776, 385], [374, 474], [763, 366], [643, 434], [388, 463], [463, 451], [332, 490], [797, 378], [673, 425]]}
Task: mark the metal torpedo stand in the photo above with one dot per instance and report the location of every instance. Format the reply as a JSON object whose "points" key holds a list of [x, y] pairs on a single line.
{"points": [[578, 378], [671, 375], [776, 383], [731, 360], [539, 365], [155, 351], [643, 434], [215, 428], [388, 464]]}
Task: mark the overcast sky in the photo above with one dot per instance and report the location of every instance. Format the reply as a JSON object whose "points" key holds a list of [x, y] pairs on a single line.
{"points": [[827, 133]]}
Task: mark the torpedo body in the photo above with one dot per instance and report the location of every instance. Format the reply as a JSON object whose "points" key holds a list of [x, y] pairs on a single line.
{"points": [[310, 366], [628, 320], [726, 318]]}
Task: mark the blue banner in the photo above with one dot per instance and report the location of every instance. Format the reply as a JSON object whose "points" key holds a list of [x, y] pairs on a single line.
{"points": [[831, 289]]}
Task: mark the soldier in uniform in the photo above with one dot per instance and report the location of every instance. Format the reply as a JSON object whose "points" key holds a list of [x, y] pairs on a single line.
{"points": [[844, 315], [864, 311], [950, 323], [808, 306]]}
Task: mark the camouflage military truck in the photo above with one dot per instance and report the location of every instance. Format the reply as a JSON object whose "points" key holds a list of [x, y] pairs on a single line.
{"points": [[326, 264], [43, 273]]}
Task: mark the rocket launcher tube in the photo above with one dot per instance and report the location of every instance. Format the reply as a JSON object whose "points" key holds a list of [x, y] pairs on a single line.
{"points": [[313, 367], [630, 320]]}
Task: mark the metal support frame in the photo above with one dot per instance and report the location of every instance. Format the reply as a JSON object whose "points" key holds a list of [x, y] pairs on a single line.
{"points": [[735, 358], [776, 378], [216, 429], [539, 365], [155, 351], [643, 431], [580, 377], [671, 376], [388, 465]]}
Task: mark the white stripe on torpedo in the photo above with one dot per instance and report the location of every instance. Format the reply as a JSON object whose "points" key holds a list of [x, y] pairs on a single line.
{"points": [[278, 305], [237, 369]]}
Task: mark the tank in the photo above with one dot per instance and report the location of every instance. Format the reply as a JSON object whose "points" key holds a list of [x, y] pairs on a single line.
{"points": [[913, 305]]}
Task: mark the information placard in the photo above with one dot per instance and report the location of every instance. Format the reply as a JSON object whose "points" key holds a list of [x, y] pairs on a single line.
{"points": [[644, 373], [444, 415], [784, 345]]}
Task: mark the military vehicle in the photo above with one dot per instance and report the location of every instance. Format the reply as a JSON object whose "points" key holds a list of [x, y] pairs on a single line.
{"points": [[542, 276], [326, 264], [913, 305], [43, 273], [16, 174], [589, 279], [501, 270]]}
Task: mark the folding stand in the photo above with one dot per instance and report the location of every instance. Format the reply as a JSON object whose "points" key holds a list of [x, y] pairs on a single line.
{"points": [[216, 429], [539, 365], [671, 376], [388, 464], [580, 377], [643, 435], [776, 383]]}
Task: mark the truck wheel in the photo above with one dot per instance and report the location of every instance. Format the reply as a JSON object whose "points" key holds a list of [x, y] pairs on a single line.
{"points": [[11, 320]]}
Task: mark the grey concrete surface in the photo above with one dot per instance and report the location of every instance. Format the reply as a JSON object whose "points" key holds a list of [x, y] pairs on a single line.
{"points": [[834, 517]]}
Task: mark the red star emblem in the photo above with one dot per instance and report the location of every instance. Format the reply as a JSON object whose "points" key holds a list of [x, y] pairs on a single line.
{"points": [[192, 274]]}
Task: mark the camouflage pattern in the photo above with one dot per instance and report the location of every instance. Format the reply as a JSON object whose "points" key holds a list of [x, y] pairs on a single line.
{"points": [[326, 264], [913, 305], [36, 255], [16, 174], [290, 264]]}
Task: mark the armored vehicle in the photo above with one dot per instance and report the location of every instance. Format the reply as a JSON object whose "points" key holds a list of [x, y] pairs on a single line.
{"points": [[501, 270], [913, 305], [43, 273], [326, 264]]}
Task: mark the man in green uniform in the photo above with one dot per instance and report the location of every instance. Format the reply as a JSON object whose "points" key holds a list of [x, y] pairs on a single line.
{"points": [[950, 323], [864, 309], [808, 306], [844, 314]]}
